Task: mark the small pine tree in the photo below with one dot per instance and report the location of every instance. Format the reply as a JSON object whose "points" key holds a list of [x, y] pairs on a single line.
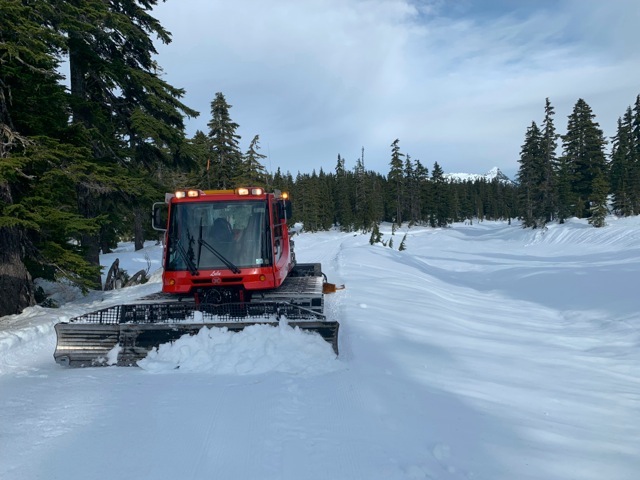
{"points": [[251, 171], [391, 243], [403, 244], [598, 201], [376, 236]]}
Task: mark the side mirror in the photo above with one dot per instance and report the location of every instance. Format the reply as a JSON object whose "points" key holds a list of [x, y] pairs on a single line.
{"points": [[159, 217], [287, 209]]}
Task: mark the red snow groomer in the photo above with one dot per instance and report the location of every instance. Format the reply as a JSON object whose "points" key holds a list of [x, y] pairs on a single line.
{"points": [[228, 262]]}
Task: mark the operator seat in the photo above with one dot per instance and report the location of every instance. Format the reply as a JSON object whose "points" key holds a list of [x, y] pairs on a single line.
{"points": [[222, 231]]}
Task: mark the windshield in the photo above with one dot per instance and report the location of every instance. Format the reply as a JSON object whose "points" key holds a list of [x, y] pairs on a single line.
{"points": [[218, 235]]}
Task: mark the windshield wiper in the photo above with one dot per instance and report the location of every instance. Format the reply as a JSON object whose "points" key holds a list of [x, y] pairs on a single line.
{"points": [[222, 258], [199, 244], [185, 257]]}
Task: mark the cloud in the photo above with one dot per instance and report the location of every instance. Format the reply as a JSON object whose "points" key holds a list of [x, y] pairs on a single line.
{"points": [[318, 78]]}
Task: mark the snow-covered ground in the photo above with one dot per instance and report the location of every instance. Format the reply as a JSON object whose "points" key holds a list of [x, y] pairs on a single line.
{"points": [[483, 351]]}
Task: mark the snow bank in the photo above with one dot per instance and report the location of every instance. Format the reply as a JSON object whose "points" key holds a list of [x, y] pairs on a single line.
{"points": [[255, 350]]}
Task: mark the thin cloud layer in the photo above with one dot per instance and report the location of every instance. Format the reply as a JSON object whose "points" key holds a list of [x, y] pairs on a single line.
{"points": [[455, 83]]}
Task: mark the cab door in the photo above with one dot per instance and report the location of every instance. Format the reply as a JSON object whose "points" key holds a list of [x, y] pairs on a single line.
{"points": [[280, 242]]}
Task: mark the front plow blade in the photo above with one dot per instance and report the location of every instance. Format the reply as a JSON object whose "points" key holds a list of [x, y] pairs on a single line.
{"points": [[124, 334], [95, 345]]}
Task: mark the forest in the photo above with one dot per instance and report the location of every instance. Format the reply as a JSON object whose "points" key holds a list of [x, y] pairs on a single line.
{"points": [[84, 155]]}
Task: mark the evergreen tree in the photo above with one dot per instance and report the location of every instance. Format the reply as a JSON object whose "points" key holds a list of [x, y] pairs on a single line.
{"points": [[367, 198], [622, 168], [377, 184], [376, 236], [421, 175], [396, 181], [412, 196], [403, 244], [565, 196], [323, 197], [549, 166], [226, 158], [583, 151], [598, 200], [344, 212], [198, 149], [538, 173], [440, 213], [634, 168], [39, 224], [130, 117], [531, 176], [252, 171]]}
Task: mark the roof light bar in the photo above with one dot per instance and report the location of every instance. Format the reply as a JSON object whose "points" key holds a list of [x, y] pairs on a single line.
{"points": [[188, 193], [250, 191]]}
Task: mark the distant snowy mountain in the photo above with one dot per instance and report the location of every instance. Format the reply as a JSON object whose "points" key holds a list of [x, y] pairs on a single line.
{"points": [[489, 176]]}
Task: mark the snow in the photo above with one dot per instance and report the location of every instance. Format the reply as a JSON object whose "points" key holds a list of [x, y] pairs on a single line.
{"points": [[492, 174], [257, 349], [483, 351]]}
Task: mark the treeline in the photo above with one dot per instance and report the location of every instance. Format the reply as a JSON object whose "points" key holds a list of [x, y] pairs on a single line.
{"points": [[583, 181], [358, 199], [559, 176], [83, 156]]}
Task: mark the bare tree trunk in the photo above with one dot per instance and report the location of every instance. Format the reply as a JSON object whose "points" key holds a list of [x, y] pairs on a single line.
{"points": [[16, 283], [139, 216], [90, 242]]}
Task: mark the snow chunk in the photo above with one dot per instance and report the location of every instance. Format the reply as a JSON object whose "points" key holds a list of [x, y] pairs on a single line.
{"points": [[112, 356], [255, 350]]}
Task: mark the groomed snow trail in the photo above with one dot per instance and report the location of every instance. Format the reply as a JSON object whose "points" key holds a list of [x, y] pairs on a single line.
{"points": [[482, 352]]}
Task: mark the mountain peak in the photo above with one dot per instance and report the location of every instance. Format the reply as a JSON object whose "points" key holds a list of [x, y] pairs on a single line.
{"points": [[494, 173]]}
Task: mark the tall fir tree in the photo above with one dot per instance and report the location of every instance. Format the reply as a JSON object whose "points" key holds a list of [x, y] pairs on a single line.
{"points": [[366, 197], [622, 166], [634, 169], [412, 196], [549, 164], [396, 182], [226, 158], [531, 176], [584, 157], [439, 216], [422, 186], [132, 119], [344, 211], [39, 159]]}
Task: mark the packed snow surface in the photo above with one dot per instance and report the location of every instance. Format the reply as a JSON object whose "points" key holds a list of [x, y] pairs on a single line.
{"points": [[483, 351]]}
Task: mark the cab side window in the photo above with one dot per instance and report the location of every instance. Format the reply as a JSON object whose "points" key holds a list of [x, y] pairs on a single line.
{"points": [[277, 230]]}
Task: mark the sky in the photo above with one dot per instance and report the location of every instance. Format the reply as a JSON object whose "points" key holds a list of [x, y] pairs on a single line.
{"points": [[457, 81], [483, 351]]}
